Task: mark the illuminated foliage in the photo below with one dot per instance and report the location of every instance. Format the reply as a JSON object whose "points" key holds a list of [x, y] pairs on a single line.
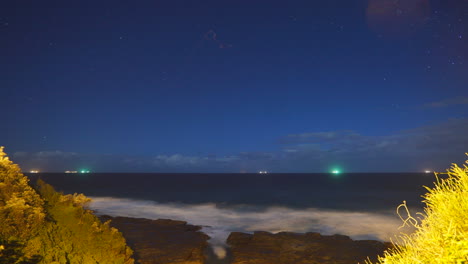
{"points": [[441, 235], [46, 227], [77, 233], [12, 252], [21, 208]]}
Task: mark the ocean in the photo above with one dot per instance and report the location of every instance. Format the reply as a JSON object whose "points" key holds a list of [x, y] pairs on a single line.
{"points": [[360, 205]]}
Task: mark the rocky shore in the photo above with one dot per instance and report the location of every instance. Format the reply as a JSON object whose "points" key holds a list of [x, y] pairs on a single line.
{"points": [[295, 248], [176, 242], [162, 241]]}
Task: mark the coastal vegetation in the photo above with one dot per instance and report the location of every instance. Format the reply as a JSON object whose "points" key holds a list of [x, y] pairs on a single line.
{"points": [[441, 234], [40, 225]]}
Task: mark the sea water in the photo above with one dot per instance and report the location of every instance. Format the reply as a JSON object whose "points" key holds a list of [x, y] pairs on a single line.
{"points": [[360, 205]]}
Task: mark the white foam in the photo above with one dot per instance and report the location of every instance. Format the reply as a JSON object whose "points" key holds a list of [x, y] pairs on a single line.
{"points": [[218, 221]]}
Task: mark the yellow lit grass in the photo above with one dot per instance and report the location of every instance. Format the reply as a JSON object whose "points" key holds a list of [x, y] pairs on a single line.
{"points": [[441, 234]]}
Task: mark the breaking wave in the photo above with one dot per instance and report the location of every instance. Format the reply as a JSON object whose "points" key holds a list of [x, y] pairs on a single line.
{"points": [[219, 221]]}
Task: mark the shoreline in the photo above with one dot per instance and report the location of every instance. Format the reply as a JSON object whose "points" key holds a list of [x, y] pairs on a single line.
{"points": [[219, 220], [177, 242]]}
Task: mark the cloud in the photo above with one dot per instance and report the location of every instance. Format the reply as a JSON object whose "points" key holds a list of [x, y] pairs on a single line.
{"points": [[190, 162], [432, 147], [46, 160], [178, 160], [46, 154], [323, 141], [319, 136], [460, 100]]}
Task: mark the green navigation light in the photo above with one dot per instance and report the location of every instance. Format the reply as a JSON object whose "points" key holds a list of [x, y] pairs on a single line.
{"points": [[336, 172]]}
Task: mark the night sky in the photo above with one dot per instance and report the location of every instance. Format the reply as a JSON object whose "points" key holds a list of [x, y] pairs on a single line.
{"points": [[234, 86]]}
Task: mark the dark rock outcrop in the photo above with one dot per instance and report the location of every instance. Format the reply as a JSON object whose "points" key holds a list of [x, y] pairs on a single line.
{"points": [[175, 242], [162, 241], [294, 248]]}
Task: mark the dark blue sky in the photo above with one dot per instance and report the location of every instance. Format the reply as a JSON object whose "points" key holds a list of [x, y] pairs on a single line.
{"points": [[230, 86]]}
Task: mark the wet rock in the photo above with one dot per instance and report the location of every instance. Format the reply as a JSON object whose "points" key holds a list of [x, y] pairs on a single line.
{"points": [[162, 241], [294, 248]]}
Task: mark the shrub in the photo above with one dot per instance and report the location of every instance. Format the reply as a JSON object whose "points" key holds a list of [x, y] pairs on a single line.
{"points": [[76, 235], [43, 226], [441, 234], [12, 252], [21, 208]]}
